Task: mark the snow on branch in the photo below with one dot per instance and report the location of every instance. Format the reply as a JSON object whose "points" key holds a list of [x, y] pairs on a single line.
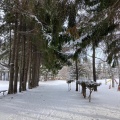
{"points": [[37, 20], [93, 7], [5, 65], [47, 36]]}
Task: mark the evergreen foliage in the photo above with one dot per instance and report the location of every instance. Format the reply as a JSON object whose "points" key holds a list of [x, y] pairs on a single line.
{"points": [[34, 34]]}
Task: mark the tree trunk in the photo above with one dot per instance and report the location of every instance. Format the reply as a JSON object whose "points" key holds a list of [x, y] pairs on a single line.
{"points": [[112, 77], [94, 69], [26, 65], [38, 69], [10, 43], [34, 65], [76, 64], [119, 68], [119, 73], [23, 63], [21, 75], [16, 74], [30, 66], [11, 81], [16, 56], [22, 66], [10, 89]]}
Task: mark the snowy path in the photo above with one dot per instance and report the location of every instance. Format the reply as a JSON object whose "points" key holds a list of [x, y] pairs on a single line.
{"points": [[52, 101]]}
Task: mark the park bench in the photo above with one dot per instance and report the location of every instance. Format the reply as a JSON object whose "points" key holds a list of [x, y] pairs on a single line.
{"points": [[88, 85], [69, 84], [3, 91]]}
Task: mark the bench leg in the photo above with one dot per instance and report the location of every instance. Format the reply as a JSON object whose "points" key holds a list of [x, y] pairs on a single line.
{"points": [[90, 95]]}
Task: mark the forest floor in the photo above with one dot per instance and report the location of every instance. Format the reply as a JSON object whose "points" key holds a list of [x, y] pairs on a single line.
{"points": [[52, 101]]}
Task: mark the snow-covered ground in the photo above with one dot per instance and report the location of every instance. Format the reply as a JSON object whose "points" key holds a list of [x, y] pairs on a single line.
{"points": [[52, 101]]}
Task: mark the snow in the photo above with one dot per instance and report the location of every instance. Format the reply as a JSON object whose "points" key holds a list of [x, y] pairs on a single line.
{"points": [[52, 101], [82, 12], [1, 17], [93, 7]]}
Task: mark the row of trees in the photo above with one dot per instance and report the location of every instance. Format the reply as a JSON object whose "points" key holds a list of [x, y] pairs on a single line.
{"points": [[35, 32], [32, 29]]}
